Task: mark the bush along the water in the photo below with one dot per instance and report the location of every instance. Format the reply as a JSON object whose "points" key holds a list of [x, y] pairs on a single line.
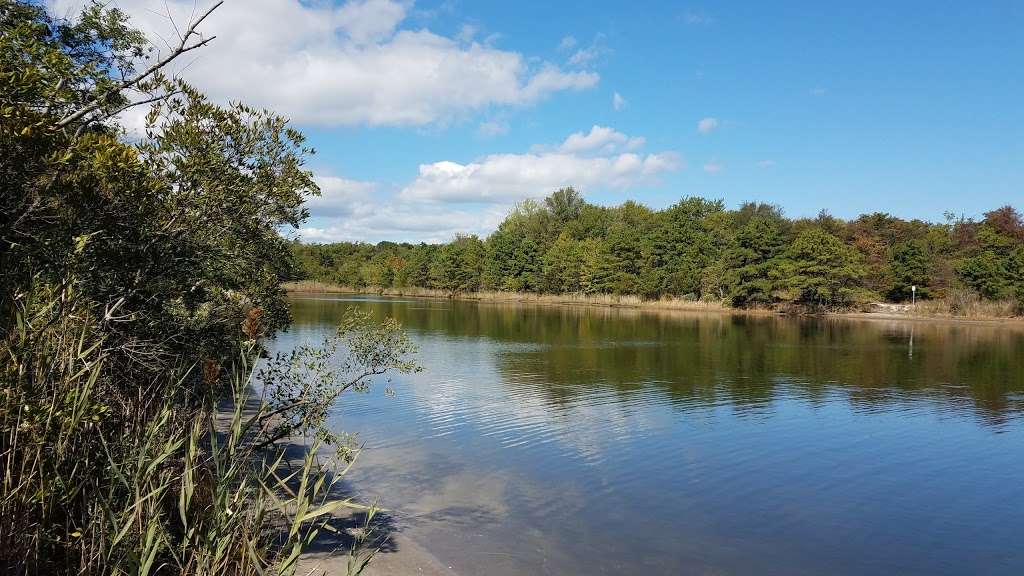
{"points": [[138, 275]]}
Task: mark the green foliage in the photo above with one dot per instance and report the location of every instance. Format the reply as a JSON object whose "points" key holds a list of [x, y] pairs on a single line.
{"points": [[458, 266], [909, 266], [751, 256], [512, 259], [565, 267], [136, 279], [682, 244], [821, 270], [750, 262], [565, 205], [303, 384], [996, 269]]}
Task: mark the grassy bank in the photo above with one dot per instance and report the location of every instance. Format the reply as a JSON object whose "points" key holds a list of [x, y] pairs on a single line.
{"points": [[606, 300], [959, 306]]}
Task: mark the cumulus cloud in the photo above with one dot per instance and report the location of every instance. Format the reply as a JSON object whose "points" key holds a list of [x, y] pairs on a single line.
{"points": [[340, 196], [601, 139], [370, 21], [713, 167], [600, 158], [403, 222], [707, 125], [448, 198], [618, 102], [353, 63]]}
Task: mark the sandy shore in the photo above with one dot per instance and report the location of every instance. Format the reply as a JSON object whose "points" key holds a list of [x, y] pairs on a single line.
{"points": [[409, 557], [1013, 323]]}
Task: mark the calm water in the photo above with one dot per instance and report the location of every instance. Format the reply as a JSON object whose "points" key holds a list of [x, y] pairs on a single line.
{"points": [[544, 440]]}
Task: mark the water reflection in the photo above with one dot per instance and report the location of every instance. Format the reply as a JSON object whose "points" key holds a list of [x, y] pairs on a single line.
{"points": [[736, 359], [583, 441]]}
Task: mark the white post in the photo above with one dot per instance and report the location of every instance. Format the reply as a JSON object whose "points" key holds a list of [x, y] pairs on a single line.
{"points": [[913, 296]]}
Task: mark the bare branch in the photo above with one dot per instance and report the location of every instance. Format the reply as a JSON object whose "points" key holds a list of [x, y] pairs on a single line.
{"points": [[182, 48]]}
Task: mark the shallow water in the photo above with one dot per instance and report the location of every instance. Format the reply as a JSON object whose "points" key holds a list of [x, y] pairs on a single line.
{"points": [[562, 440]]}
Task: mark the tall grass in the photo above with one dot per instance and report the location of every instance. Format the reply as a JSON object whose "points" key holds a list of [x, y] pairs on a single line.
{"points": [[163, 479], [963, 303], [958, 302], [610, 300]]}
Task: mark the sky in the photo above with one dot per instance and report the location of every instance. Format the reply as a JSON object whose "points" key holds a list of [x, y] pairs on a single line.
{"points": [[432, 119]]}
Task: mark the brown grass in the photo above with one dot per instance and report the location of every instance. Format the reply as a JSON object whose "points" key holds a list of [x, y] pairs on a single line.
{"points": [[976, 309], [958, 305], [607, 300]]}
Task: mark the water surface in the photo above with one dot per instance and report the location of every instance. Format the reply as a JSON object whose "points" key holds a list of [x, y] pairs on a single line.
{"points": [[563, 440]]}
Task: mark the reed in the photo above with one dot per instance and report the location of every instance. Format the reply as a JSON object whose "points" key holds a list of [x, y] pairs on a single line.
{"points": [[608, 300], [166, 479], [960, 303]]}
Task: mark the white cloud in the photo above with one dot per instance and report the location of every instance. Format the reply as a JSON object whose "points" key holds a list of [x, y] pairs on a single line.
{"points": [[427, 209], [713, 167], [618, 102], [707, 125], [551, 79], [369, 21], [765, 163], [602, 158], [340, 196], [819, 91], [599, 139], [351, 64], [403, 222], [357, 210], [567, 43], [585, 56], [492, 128], [466, 33]]}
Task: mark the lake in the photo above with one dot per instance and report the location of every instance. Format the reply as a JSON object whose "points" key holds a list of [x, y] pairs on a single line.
{"points": [[572, 440]]}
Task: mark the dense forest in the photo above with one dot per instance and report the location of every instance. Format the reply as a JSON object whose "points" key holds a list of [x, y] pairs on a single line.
{"points": [[749, 257]]}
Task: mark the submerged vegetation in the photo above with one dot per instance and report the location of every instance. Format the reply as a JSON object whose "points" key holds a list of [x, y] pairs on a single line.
{"points": [[137, 277], [696, 249]]}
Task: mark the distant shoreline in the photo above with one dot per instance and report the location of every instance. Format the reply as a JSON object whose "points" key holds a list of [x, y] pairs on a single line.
{"points": [[636, 302]]}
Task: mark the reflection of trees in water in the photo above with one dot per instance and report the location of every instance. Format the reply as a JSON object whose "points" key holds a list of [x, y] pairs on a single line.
{"points": [[708, 359]]}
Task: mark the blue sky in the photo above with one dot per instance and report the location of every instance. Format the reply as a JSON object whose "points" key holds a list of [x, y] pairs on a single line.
{"points": [[432, 118]]}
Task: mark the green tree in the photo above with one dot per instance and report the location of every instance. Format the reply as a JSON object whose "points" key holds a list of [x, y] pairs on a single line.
{"points": [[565, 205], [997, 270], [514, 251], [459, 265], [821, 270], [750, 262], [564, 266], [909, 266], [683, 242], [417, 268], [994, 265]]}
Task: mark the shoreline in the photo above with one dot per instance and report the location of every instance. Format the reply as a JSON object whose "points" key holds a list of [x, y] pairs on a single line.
{"points": [[331, 558], [635, 302]]}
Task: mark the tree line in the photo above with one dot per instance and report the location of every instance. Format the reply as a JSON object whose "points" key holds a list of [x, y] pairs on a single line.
{"points": [[752, 256]]}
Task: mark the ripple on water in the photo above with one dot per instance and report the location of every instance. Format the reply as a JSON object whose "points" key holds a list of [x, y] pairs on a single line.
{"points": [[647, 444]]}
